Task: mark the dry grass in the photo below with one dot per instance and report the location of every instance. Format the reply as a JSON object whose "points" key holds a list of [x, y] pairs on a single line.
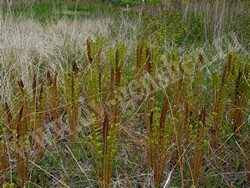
{"points": [[28, 47]]}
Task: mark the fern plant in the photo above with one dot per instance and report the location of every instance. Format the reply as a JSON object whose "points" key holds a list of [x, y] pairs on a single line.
{"points": [[199, 145], [53, 101], [105, 122], [72, 94], [23, 129], [39, 107]]}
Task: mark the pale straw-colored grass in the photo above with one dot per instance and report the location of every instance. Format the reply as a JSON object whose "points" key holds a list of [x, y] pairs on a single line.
{"points": [[28, 47]]}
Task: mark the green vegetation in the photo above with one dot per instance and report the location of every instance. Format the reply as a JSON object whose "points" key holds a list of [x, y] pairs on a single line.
{"points": [[130, 94], [46, 11]]}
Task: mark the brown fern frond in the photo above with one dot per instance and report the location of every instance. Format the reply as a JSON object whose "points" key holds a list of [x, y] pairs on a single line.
{"points": [[9, 116], [19, 123], [89, 58], [34, 85], [148, 59], [49, 79], [163, 114], [75, 68], [200, 62], [117, 70], [21, 87], [198, 145]]}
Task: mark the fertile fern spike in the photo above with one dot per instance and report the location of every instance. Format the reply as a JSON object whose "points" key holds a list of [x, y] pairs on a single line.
{"points": [[9, 116]]}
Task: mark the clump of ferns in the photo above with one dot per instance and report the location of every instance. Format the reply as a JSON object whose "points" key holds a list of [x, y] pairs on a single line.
{"points": [[183, 82], [200, 133], [21, 132], [53, 101], [7, 136], [147, 59], [146, 83], [240, 103], [229, 105], [141, 63], [159, 139], [228, 87], [158, 115], [181, 106], [28, 132], [103, 141], [93, 67], [72, 84], [105, 122], [93, 76], [38, 105], [240, 91], [116, 58], [186, 93]]}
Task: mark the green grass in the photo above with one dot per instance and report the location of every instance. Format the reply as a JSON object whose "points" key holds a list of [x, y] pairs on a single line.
{"points": [[47, 11]]}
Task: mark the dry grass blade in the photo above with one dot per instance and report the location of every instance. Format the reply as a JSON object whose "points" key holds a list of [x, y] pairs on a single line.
{"points": [[78, 166], [248, 173], [9, 116]]}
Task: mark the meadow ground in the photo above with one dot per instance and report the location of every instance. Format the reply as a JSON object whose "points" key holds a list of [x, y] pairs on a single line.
{"points": [[125, 95]]}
